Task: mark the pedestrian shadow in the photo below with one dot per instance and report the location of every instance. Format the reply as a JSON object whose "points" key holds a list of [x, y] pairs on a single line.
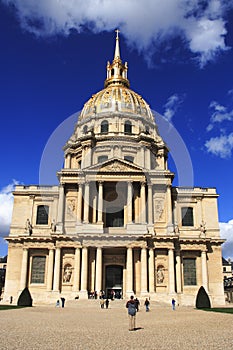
{"points": [[138, 328]]}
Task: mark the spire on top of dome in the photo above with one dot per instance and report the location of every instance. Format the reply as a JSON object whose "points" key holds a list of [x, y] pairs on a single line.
{"points": [[117, 71], [117, 47]]}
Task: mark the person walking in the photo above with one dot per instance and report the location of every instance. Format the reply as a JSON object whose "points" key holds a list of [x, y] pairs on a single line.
{"points": [[131, 306], [147, 304], [102, 303], [173, 304]]}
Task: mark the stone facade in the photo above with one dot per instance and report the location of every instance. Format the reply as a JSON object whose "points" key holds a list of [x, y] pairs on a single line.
{"points": [[115, 223]]}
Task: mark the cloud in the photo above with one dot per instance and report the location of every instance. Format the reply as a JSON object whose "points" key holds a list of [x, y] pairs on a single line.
{"points": [[220, 146], [172, 104], [146, 24], [6, 206], [226, 232], [219, 114]]}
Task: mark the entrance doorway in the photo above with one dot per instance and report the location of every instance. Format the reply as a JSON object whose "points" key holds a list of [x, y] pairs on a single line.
{"points": [[114, 281]]}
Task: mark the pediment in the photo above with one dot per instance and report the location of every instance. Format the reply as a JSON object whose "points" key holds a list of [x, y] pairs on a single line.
{"points": [[115, 165]]}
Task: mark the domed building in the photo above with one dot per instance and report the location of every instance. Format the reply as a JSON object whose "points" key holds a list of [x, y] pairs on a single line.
{"points": [[115, 225]]}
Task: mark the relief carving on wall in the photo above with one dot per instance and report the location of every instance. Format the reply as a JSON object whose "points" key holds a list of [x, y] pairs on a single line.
{"points": [[67, 273], [71, 207], [115, 167], [160, 274], [159, 209]]}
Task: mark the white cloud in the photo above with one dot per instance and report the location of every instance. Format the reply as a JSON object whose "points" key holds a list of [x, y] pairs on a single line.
{"points": [[220, 146], [219, 114], [144, 23], [172, 104], [6, 206], [226, 232]]}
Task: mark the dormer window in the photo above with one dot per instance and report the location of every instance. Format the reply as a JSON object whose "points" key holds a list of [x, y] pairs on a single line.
{"points": [[104, 127], [128, 127]]}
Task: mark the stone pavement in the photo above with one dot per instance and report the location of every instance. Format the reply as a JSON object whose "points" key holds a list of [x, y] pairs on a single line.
{"points": [[84, 325]]}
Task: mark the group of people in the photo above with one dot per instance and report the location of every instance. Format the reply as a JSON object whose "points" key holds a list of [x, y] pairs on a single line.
{"points": [[104, 302], [133, 307], [62, 302]]}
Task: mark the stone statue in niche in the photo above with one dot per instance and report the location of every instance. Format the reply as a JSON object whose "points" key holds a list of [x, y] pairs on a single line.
{"points": [[53, 226], [67, 274], [28, 227], [160, 275]]}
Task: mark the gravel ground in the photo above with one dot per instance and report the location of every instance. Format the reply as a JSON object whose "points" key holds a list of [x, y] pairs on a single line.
{"points": [[83, 325]]}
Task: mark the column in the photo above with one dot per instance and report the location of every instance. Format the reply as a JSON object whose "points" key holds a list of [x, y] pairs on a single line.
{"points": [[144, 271], [143, 203], [76, 270], [61, 200], [94, 210], [178, 272], [129, 202], [57, 270], [129, 269], [80, 198], [100, 202], [86, 203], [150, 205], [171, 272], [204, 270], [98, 275], [68, 161], [50, 270], [151, 271], [84, 268], [24, 269]]}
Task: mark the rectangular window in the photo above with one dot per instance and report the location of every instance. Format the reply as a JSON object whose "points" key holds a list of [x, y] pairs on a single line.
{"points": [[38, 269], [189, 266], [42, 215], [187, 216]]}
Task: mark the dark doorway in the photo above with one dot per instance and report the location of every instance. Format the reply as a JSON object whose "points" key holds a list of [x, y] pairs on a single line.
{"points": [[114, 281]]}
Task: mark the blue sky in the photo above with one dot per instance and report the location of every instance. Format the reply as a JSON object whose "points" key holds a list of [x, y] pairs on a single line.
{"points": [[179, 53]]}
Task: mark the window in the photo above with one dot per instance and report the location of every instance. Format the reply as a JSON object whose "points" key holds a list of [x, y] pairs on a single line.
{"points": [[85, 129], [129, 158], [189, 265], [38, 269], [102, 159], [104, 127], [128, 127], [187, 216], [42, 215]]}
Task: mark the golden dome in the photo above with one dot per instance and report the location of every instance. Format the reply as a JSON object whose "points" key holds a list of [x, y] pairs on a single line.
{"points": [[116, 96]]}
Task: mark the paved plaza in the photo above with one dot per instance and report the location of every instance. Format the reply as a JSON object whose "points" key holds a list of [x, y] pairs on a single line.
{"points": [[84, 325]]}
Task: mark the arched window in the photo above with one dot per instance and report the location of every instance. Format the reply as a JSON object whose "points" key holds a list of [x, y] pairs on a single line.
{"points": [[128, 127], [42, 215], [104, 127], [187, 216], [112, 72]]}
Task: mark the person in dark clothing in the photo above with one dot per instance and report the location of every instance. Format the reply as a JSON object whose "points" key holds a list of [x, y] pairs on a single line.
{"points": [[63, 302], [147, 304], [137, 302], [107, 303], [131, 306]]}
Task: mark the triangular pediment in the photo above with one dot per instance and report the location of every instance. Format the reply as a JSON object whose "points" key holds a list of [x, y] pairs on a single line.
{"points": [[115, 165]]}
